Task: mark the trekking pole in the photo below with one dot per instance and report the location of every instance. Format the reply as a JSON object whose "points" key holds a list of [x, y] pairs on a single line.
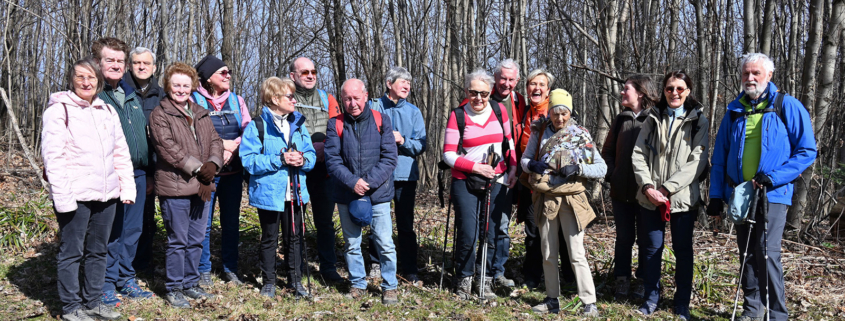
{"points": [[749, 219], [493, 160], [445, 241], [766, 245], [303, 249]]}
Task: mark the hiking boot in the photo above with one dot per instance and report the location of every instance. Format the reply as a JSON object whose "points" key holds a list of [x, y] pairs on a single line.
{"points": [[623, 286], [414, 280], [682, 313], [177, 299], [463, 288], [110, 298], [503, 282], [331, 276], [268, 290], [375, 271], [299, 291], [197, 292], [749, 318], [103, 312], [355, 294], [549, 305], [647, 308], [77, 315], [390, 297], [132, 290], [487, 286], [638, 291], [231, 277], [205, 280], [590, 310]]}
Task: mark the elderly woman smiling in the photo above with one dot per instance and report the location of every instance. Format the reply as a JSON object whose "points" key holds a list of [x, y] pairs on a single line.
{"points": [[560, 156], [465, 150]]}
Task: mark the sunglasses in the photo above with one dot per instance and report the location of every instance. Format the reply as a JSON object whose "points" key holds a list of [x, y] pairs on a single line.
{"points": [[307, 72], [289, 96], [482, 94], [225, 73], [675, 89]]}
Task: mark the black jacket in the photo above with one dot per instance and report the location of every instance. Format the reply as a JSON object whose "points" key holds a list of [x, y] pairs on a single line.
{"points": [[617, 150], [151, 98]]}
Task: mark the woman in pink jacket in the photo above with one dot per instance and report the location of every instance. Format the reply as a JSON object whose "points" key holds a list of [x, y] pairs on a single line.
{"points": [[86, 161]]}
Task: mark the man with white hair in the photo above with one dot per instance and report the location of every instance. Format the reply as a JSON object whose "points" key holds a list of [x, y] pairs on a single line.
{"points": [[765, 137]]}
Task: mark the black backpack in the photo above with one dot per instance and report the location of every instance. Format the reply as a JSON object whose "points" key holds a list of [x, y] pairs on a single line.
{"points": [[460, 118], [777, 107]]}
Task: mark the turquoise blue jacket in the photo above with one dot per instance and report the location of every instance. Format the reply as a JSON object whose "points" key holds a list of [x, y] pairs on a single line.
{"points": [[268, 181], [787, 149], [408, 121]]}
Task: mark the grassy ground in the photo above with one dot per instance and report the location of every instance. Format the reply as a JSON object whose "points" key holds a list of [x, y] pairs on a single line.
{"points": [[815, 278]]}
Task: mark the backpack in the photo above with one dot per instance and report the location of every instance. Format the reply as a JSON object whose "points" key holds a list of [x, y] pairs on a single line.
{"points": [[460, 119], [338, 124], [777, 107], [232, 102], [706, 172]]}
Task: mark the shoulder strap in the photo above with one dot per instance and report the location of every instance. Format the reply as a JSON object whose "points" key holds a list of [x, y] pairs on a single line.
{"points": [[377, 118], [460, 119], [778, 106], [200, 100], [338, 125], [259, 125], [234, 106], [324, 98]]}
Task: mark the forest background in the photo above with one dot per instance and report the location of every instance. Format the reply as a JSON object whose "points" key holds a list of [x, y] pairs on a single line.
{"points": [[590, 46]]}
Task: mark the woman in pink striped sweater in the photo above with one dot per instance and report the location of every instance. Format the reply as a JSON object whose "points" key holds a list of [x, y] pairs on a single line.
{"points": [[485, 126]]}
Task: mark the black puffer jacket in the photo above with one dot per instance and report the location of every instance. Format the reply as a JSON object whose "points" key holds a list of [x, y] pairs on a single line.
{"points": [[617, 150]]}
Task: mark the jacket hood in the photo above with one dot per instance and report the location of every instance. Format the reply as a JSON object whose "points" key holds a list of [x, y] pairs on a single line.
{"points": [[70, 98], [737, 106]]}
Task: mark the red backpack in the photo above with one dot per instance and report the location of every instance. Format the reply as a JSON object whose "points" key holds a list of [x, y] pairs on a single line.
{"points": [[338, 125]]}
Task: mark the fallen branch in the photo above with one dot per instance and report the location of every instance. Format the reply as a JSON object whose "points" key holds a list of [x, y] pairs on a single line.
{"points": [[21, 140]]}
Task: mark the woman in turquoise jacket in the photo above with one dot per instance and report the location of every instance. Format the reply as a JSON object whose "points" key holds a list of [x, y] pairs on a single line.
{"points": [[276, 150]]}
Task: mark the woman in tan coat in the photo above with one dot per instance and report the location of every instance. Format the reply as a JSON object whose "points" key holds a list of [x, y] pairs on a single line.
{"points": [[559, 157], [189, 155]]}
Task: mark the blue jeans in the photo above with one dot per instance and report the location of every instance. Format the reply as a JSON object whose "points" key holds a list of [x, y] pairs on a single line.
{"points": [[228, 193], [125, 233], [468, 209], [651, 229], [382, 228], [184, 219], [757, 267], [500, 218], [406, 238], [626, 214]]}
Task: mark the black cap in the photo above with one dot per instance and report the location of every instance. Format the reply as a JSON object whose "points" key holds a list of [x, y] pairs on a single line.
{"points": [[207, 67]]}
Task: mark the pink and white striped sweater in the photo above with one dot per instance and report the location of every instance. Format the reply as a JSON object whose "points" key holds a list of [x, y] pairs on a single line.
{"points": [[482, 130]]}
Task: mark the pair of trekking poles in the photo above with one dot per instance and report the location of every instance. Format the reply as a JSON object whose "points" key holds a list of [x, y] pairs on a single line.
{"points": [[759, 195], [297, 203], [493, 160]]}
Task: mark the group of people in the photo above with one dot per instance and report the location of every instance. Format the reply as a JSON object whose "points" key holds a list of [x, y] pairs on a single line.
{"points": [[115, 140]]}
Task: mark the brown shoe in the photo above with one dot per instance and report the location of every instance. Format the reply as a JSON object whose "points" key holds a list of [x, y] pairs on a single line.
{"points": [[390, 297], [355, 294]]}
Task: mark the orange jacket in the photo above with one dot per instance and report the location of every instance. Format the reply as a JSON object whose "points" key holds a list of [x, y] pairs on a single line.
{"points": [[533, 113]]}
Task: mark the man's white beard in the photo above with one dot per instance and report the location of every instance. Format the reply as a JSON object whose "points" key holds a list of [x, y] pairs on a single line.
{"points": [[757, 91]]}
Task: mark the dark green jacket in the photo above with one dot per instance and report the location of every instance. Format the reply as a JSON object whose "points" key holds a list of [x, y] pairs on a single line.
{"points": [[133, 121]]}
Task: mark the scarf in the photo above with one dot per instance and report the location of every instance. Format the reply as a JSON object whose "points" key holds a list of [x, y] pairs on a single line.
{"points": [[568, 146]]}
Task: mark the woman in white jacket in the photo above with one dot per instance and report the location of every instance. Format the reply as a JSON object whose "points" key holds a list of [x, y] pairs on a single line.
{"points": [[86, 161]]}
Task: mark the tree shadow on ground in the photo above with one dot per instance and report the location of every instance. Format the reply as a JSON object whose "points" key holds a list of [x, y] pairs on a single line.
{"points": [[36, 277]]}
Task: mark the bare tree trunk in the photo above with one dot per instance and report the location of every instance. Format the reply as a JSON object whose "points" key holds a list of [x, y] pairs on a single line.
{"points": [[750, 24], [828, 66], [792, 55], [227, 51], [674, 13], [703, 50], [768, 22], [162, 47]]}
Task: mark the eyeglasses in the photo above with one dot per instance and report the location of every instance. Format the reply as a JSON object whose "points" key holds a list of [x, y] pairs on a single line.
{"points": [[675, 89], [82, 79], [304, 73], [225, 73], [482, 94]]}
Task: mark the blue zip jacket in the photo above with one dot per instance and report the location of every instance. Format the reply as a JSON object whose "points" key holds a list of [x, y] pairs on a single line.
{"points": [[787, 150], [361, 153], [408, 121], [268, 180]]}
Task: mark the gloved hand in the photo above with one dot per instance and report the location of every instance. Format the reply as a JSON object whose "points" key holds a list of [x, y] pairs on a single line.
{"points": [[205, 192], [207, 172], [763, 179], [537, 166], [715, 207], [570, 170]]}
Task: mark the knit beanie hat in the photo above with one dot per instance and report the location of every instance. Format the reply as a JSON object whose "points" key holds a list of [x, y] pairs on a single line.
{"points": [[207, 67], [560, 98]]}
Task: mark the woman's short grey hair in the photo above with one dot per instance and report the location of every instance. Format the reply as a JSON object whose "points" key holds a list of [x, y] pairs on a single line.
{"points": [[90, 64], [561, 108], [506, 64], [478, 74], [396, 73], [141, 50], [541, 72], [755, 57]]}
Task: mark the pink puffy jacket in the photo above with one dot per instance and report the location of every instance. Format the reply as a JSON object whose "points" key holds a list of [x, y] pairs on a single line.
{"points": [[87, 160]]}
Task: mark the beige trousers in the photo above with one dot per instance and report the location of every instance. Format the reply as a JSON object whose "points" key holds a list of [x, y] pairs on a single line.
{"points": [[549, 244]]}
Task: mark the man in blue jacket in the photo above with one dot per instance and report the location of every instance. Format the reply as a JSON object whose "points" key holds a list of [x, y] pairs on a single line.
{"points": [[360, 158], [771, 148], [409, 134]]}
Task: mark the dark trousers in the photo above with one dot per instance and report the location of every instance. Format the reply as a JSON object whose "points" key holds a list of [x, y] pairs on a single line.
{"points": [[185, 220], [758, 268], [532, 264], [229, 193], [404, 200], [290, 222], [84, 236], [144, 253], [468, 211], [650, 230], [322, 207], [625, 214], [125, 233]]}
